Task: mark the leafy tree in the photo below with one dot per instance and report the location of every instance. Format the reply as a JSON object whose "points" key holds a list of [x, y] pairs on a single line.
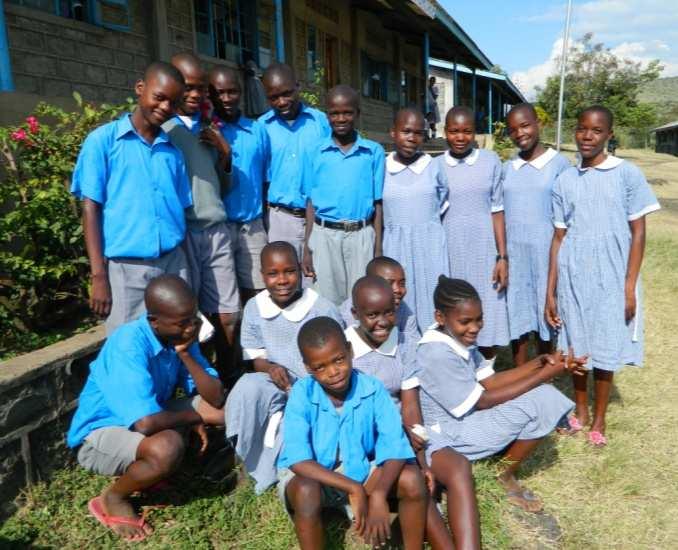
{"points": [[595, 75]]}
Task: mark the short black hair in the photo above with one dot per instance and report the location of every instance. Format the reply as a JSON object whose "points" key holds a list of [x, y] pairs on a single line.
{"points": [[279, 246], [369, 281], [601, 109], [449, 293], [279, 70], [342, 90], [166, 69], [166, 291], [221, 70], [317, 332], [408, 111], [381, 261], [462, 110], [523, 107]]}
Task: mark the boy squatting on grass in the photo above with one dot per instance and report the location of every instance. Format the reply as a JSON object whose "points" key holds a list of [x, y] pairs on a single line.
{"points": [[344, 443], [127, 423]]}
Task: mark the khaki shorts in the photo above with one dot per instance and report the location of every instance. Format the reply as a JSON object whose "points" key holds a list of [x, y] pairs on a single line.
{"points": [[110, 451]]}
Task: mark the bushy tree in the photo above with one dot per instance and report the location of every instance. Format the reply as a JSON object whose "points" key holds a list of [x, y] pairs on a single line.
{"points": [[595, 75]]}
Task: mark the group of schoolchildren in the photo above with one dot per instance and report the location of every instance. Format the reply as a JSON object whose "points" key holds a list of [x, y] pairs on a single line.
{"points": [[367, 293]]}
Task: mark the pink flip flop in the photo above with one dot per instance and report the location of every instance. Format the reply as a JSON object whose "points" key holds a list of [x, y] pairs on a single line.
{"points": [[597, 439], [575, 425], [96, 508]]}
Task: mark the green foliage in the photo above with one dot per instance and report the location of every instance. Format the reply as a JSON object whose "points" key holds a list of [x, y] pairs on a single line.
{"points": [[594, 75], [502, 144], [312, 96], [43, 265], [543, 117]]}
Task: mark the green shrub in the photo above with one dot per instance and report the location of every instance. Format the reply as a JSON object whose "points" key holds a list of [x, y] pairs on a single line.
{"points": [[43, 265], [502, 144]]}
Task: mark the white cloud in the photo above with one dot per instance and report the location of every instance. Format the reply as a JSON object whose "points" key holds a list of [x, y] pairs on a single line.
{"points": [[623, 25]]}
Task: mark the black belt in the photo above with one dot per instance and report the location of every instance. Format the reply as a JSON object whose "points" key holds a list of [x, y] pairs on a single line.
{"points": [[296, 212], [344, 226]]}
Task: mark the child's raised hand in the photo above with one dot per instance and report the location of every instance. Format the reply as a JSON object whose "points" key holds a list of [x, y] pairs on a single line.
{"points": [[551, 312], [279, 376], [357, 498], [629, 303], [378, 521], [213, 137], [500, 275]]}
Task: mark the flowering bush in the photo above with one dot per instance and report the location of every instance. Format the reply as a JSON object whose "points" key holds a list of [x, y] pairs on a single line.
{"points": [[43, 265]]}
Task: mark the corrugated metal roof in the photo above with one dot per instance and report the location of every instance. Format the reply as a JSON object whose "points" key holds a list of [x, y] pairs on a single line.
{"points": [[668, 126]]}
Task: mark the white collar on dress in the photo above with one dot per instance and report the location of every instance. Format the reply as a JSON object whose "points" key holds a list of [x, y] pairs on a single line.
{"points": [[470, 159], [610, 162], [418, 166], [539, 163], [434, 335], [295, 312], [360, 347]]}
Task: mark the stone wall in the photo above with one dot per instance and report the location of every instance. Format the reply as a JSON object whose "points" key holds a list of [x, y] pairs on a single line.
{"points": [[38, 394], [54, 56]]}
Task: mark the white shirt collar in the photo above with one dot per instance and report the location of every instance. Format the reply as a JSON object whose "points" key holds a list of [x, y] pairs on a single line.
{"points": [[294, 312], [539, 163], [610, 162], [188, 121], [470, 159], [418, 166], [360, 347], [434, 335]]}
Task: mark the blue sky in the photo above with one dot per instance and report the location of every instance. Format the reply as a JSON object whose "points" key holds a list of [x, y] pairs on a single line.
{"points": [[524, 36]]}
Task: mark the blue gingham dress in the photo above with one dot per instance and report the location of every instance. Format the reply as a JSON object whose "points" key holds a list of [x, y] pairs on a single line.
{"points": [[413, 200], [255, 398], [449, 376], [529, 231], [475, 193], [393, 366], [595, 205], [405, 319]]}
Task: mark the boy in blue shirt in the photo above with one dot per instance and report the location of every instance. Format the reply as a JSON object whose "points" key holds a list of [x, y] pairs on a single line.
{"points": [[134, 188], [344, 179], [208, 239], [127, 423], [244, 201], [293, 128], [343, 442]]}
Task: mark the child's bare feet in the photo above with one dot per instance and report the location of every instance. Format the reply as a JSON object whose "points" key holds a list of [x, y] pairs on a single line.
{"points": [[116, 506], [519, 495]]}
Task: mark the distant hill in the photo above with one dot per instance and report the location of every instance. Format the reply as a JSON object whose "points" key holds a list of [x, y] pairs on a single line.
{"points": [[663, 93]]}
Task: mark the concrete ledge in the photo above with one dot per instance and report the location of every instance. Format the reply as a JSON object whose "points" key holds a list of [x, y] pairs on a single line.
{"points": [[38, 393]]}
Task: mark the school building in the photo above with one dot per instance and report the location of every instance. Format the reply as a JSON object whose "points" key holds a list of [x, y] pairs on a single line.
{"points": [[384, 48], [666, 138]]}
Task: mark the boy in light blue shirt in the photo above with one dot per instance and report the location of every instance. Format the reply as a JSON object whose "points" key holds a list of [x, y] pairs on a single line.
{"points": [[244, 201], [134, 188], [343, 181], [293, 128], [127, 423], [343, 443]]}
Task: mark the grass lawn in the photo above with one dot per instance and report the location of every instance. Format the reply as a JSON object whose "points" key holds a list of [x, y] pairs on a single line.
{"points": [[619, 497]]}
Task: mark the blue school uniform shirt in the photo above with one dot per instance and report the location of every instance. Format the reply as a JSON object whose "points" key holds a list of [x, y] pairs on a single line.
{"points": [[143, 189], [288, 143], [368, 429], [250, 154], [132, 377], [343, 186]]}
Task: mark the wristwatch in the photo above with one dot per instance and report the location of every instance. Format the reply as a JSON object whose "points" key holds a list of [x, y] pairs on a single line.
{"points": [[500, 257]]}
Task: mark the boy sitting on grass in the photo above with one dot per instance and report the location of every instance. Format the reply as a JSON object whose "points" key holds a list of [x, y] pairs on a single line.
{"points": [[343, 443], [127, 423]]}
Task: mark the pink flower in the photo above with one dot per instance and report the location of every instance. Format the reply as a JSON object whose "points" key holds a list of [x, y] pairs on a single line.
{"points": [[19, 135], [33, 124], [217, 121]]}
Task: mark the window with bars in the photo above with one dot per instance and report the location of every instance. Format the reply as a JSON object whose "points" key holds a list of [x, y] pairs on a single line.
{"points": [[227, 29], [110, 14]]}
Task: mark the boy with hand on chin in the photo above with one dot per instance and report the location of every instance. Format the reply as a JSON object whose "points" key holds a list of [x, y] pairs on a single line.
{"points": [[134, 188], [344, 444], [127, 423], [343, 180]]}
